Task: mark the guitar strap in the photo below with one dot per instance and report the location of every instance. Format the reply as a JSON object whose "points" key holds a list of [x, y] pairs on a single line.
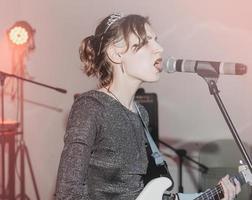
{"points": [[158, 157], [155, 153]]}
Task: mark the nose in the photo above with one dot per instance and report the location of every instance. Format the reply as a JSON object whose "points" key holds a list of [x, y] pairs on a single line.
{"points": [[158, 48]]}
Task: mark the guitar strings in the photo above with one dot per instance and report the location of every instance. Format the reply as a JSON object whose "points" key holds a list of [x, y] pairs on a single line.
{"points": [[216, 190], [211, 192]]}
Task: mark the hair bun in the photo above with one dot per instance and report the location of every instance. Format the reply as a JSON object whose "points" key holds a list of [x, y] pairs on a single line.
{"points": [[87, 53]]}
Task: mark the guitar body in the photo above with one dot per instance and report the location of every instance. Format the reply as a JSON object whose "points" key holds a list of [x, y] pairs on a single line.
{"points": [[155, 189]]}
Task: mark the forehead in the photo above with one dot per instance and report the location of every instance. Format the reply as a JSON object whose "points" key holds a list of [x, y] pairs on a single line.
{"points": [[149, 30], [133, 39], [149, 33]]}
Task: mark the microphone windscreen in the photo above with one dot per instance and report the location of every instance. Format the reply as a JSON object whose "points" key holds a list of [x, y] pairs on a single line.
{"points": [[170, 65]]}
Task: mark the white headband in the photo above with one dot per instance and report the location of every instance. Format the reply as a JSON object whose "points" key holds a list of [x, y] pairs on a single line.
{"points": [[112, 19]]}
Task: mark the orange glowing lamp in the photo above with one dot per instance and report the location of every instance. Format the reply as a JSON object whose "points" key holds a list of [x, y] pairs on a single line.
{"points": [[20, 34]]}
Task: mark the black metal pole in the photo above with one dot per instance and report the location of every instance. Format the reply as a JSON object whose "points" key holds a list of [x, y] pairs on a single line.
{"points": [[214, 91], [2, 79], [34, 82], [181, 155], [21, 149], [203, 168], [11, 184], [210, 75]]}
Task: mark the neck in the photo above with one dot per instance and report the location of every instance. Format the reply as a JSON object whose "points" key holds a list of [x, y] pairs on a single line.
{"points": [[123, 88], [124, 93]]}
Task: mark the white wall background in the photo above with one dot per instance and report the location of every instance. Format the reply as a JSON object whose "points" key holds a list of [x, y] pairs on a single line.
{"points": [[188, 115]]}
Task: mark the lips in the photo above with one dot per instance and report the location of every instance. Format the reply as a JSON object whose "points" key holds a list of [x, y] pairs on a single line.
{"points": [[158, 64]]}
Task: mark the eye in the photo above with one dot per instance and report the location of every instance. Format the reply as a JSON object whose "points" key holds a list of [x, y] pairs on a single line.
{"points": [[152, 38], [149, 37]]}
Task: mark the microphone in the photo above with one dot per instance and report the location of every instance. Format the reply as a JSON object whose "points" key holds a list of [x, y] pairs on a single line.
{"points": [[206, 68]]}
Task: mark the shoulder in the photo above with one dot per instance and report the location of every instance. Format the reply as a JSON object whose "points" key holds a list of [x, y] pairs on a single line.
{"points": [[90, 99], [86, 106], [86, 113]]}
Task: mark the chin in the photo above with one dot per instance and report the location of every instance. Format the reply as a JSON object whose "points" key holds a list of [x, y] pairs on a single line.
{"points": [[153, 79]]}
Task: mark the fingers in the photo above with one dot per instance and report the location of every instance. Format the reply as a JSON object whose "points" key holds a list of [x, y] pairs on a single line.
{"points": [[228, 193], [230, 189], [237, 187]]}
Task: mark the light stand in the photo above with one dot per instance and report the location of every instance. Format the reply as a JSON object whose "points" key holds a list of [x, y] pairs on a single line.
{"points": [[2, 79], [22, 42], [22, 149]]}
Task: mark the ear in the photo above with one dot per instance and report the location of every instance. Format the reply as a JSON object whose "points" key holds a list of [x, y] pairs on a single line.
{"points": [[113, 54]]}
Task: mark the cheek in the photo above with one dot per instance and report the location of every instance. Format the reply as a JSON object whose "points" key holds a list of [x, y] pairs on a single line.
{"points": [[140, 61], [138, 66]]}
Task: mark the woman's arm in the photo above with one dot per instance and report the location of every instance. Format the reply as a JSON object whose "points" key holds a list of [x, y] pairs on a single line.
{"points": [[79, 138]]}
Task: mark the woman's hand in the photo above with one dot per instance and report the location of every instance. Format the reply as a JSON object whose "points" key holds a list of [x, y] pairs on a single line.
{"points": [[231, 190]]}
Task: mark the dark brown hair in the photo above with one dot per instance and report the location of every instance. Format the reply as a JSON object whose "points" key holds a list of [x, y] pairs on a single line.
{"points": [[93, 48]]}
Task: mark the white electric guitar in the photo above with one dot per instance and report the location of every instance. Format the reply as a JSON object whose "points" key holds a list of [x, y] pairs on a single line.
{"points": [[155, 189]]}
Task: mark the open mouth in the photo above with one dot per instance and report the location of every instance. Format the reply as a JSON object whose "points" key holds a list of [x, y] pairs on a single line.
{"points": [[158, 64]]}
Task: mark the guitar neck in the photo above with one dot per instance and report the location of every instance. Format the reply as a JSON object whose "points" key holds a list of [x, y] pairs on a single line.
{"points": [[217, 192]]}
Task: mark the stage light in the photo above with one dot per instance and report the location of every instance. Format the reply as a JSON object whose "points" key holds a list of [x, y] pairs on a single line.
{"points": [[20, 33]]}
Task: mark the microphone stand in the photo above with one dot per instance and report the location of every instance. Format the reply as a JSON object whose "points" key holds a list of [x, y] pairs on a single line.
{"points": [[182, 154], [211, 76], [4, 74]]}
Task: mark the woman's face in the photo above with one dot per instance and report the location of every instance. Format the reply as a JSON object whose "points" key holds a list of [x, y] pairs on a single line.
{"points": [[145, 64]]}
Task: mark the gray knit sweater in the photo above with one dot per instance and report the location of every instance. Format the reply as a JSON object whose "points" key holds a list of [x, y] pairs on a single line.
{"points": [[104, 155]]}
